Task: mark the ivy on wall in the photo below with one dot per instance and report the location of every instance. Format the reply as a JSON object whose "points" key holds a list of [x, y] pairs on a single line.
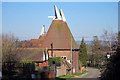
{"points": [[55, 60]]}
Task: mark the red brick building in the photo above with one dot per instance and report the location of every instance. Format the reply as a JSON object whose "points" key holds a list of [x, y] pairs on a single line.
{"points": [[63, 46], [63, 42]]}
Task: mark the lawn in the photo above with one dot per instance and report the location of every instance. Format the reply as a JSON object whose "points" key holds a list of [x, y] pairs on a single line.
{"points": [[72, 76]]}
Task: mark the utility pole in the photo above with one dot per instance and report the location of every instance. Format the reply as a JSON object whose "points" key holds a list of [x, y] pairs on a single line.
{"points": [[71, 50]]}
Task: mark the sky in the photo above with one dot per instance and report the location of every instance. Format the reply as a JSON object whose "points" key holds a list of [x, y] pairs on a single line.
{"points": [[85, 19], [60, 0]]}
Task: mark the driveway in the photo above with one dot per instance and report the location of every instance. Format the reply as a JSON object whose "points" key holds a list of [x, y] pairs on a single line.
{"points": [[92, 73]]}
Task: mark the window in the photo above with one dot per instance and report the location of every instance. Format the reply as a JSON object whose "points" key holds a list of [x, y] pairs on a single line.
{"points": [[64, 57]]}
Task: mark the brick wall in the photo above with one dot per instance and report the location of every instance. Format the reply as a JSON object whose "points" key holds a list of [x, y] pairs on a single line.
{"points": [[44, 63], [61, 70], [75, 58], [75, 62], [60, 53]]}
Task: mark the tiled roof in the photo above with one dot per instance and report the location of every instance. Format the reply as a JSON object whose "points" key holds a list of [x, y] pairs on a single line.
{"points": [[59, 34], [35, 54]]}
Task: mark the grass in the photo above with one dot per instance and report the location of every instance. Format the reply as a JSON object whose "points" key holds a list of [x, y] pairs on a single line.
{"points": [[72, 76]]}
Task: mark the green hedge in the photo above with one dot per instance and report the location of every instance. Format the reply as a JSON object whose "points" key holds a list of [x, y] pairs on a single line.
{"points": [[57, 60]]}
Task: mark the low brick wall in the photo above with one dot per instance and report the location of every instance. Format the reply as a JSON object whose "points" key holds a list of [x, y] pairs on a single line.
{"points": [[82, 69], [45, 72]]}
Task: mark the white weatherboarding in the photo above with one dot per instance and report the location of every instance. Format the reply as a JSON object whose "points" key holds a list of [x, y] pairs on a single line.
{"points": [[58, 16], [62, 15], [43, 31]]}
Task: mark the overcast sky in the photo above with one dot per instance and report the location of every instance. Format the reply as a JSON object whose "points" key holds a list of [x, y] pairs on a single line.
{"points": [[88, 19]]}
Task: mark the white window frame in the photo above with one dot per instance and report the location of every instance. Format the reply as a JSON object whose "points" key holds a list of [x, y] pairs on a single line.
{"points": [[63, 57]]}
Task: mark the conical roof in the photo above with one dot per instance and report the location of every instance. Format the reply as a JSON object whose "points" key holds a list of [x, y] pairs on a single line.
{"points": [[59, 34]]}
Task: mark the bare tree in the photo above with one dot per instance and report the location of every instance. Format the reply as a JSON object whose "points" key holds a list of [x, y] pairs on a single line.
{"points": [[9, 48], [9, 54], [96, 47], [110, 39]]}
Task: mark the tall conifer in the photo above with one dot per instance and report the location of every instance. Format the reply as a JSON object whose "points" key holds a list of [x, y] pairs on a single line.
{"points": [[83, 53]]}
